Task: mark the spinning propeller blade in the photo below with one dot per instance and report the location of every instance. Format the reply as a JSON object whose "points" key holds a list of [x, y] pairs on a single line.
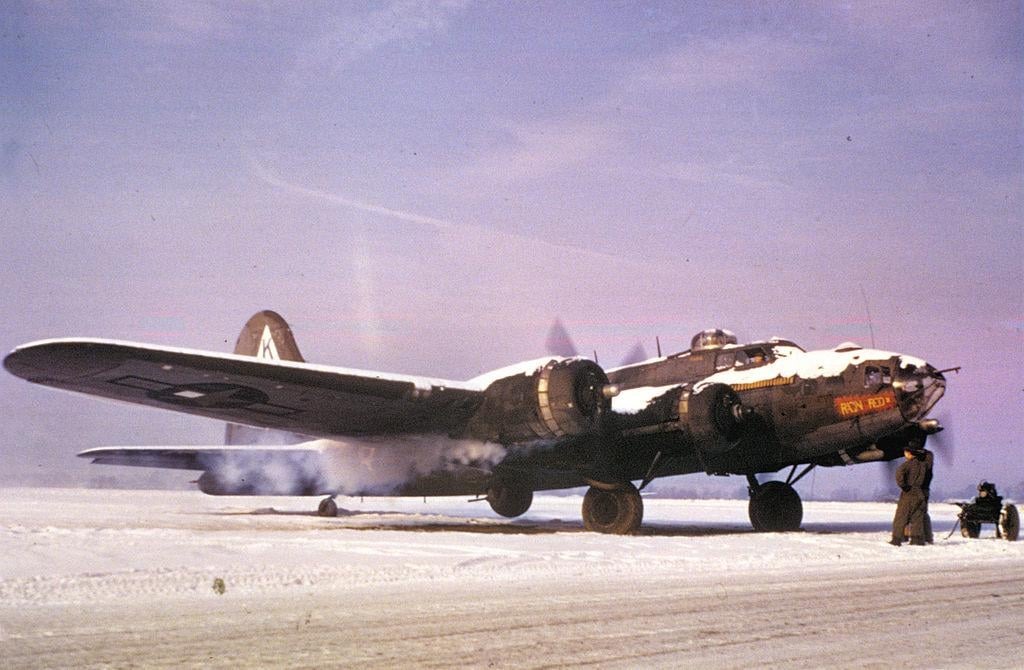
{"points": [[943, 443], [887, 471], [634, 355], [558, 342]]}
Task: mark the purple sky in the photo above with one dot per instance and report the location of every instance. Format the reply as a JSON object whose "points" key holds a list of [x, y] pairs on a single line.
{"points": [[423, 187]]}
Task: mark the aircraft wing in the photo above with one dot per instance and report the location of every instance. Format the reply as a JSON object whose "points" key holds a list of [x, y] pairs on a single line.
{"points": [[315, 400]]}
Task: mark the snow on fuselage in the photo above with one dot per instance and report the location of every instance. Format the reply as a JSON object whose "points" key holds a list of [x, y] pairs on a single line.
{"points": [[791, 361], [815, 403]]}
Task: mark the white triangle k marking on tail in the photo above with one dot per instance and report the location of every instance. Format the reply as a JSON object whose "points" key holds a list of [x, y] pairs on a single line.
{"points": [[267, 349]]}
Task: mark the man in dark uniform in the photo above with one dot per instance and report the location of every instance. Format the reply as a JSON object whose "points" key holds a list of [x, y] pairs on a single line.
{"points": [[910, 477]]}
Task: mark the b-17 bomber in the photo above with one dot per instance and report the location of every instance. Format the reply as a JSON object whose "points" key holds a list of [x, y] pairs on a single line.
{"points": [[720, 407]]}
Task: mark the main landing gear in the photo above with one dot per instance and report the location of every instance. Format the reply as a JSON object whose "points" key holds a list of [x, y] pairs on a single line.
{"points": [[775, 506], [618, 509], [613, 509]]}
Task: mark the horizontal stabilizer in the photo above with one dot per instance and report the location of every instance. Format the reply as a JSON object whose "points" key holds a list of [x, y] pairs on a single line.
{"points": [[193, 458]]}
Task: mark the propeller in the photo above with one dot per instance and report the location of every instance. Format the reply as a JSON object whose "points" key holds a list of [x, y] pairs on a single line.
{"points": [[943, 443], [634, 355], [887, 472], [558, 341]]}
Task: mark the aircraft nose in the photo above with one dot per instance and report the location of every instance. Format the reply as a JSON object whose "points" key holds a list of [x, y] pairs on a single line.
{"points": [[918, 387]]}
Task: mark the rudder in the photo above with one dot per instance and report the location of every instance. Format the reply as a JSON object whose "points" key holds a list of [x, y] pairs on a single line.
{"points": [[267, 335]]}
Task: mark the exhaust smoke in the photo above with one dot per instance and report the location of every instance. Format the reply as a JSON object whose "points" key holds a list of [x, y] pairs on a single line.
{"points": [[354, 467]]}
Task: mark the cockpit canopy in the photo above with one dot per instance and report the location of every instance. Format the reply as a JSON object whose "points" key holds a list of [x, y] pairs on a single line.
{"points": [[713, 338], [743, 357]]}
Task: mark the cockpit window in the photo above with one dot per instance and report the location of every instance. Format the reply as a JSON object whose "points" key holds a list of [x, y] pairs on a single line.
{"points": [[730, 359], [886, 375], [740, 358], [756, 356]]}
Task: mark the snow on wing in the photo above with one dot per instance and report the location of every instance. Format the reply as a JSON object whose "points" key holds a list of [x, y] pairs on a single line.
{"points": [[314, 400]]}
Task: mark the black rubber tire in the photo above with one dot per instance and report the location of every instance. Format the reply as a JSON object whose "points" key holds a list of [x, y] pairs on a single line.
{"points": [[327, 507], [970, 529], [775, 507], [619, 511], [509, 501], [1009, 521]]}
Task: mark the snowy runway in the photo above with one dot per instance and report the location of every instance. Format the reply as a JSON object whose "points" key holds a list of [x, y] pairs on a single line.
{"points": [[127, 577]]}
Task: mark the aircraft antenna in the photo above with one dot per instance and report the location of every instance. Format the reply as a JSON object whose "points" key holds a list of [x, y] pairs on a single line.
{"points": [[867, 310], [657, 343], [595, 356]]}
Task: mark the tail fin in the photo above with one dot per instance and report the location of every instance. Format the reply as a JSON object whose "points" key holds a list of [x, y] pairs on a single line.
{"points": [[265, 335]]}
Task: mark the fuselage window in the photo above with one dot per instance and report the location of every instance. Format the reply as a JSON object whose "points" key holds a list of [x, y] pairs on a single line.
{"points": [[872, 376]]}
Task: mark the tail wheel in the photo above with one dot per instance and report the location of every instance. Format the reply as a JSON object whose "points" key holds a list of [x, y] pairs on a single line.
{"points": [[509, 501], [1009, 521], [618, 511], [775, 507], [327, 507], [971, 529]]}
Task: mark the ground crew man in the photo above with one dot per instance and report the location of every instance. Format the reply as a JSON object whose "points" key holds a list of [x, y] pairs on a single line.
{"points": [[910, 477]]}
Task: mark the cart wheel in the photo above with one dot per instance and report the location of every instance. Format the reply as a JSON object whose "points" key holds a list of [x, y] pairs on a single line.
{"points": [[970, 529], [1009, 521]]}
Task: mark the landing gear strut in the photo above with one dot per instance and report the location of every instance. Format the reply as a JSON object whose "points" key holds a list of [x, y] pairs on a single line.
{"points": [[774, 506], [327, 507], [617, 511]]}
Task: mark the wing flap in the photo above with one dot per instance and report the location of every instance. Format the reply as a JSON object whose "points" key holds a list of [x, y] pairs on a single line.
{"points": [[309, 399]]}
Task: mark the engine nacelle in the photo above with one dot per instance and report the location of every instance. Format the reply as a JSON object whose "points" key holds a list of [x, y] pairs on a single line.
{"points": [[562, 398], [714, 417], [727, 435]]}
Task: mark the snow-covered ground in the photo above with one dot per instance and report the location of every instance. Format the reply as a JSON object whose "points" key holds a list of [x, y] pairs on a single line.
{"points": [[118, 578]]}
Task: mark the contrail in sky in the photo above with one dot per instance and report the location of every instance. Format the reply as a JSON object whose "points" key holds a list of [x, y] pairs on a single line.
{"points": [[268, 177]]}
